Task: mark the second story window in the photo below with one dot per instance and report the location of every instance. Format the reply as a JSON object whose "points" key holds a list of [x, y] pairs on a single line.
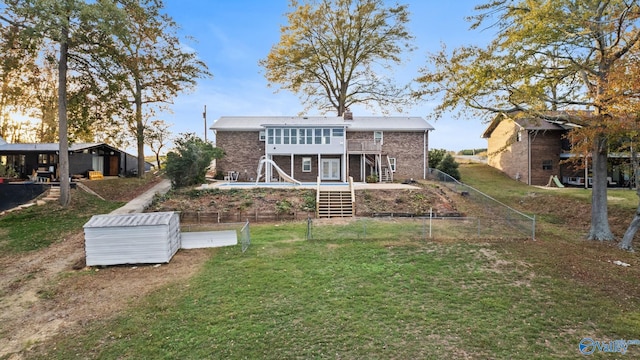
{"points": [[377, 137]]}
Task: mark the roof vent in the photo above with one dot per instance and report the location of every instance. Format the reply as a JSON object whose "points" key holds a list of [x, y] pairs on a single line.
{"points": [[347, 115]]}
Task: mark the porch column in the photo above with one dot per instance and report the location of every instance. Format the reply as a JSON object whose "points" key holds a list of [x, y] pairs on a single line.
{"points": [[291, 173]]}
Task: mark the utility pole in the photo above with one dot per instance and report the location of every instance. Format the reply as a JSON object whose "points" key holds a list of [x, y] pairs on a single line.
{"points": [[204, 115]]}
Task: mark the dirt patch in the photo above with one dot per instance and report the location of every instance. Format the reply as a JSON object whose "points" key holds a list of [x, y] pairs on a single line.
{"points": [[43, 295], [286, 201], [50, 291]]}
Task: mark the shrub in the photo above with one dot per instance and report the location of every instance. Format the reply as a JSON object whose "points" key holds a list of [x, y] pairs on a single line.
{"points": [[188, 163], [449, 166], [435, 156]]}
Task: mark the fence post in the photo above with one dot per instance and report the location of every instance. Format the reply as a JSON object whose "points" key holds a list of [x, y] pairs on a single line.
{"points": [[533, 228], [309, 223], [430, 221]]}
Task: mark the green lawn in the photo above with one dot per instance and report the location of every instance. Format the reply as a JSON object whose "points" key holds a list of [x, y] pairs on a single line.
{"points": [[396, 296], [373, 299], [39, 226]]}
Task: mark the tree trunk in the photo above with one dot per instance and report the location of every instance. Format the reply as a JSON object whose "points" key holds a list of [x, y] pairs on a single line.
{"points": [[158, 159], [63, 153], [599, 213], [139, 129], [627, 239]]}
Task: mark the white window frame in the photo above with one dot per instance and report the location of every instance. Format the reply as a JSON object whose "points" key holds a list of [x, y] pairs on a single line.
{"points": [[306, 161], [262, 136], [392, 164], [377, 138]]}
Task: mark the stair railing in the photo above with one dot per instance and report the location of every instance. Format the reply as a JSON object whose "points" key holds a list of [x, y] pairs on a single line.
{"points": [[318, 197], [353, 196]]}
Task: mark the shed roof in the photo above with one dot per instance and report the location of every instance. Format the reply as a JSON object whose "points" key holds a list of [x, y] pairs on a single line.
{"points": [[130, 220], [48, 147], [359, 123]]}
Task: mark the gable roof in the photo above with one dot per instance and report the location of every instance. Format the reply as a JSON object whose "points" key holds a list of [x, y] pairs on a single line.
{"points": [[359, 123], [531, 124]]}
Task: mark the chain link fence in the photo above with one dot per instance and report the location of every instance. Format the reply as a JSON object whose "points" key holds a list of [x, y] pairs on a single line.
{"points": [[492, 220]]}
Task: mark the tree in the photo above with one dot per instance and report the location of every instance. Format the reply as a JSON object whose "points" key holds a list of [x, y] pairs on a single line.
{"points": [[435, 156], [188, 163], [156, 136], [152, 65], [449, 166], [332, 53], [623, 90], [68, 23], [546, 56]]}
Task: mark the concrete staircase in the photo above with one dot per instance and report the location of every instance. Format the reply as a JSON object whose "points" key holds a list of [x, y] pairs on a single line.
{"points": [[334, 203]]}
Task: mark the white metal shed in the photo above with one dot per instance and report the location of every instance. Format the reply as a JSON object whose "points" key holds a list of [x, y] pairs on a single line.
{"points": [[141, 238]]}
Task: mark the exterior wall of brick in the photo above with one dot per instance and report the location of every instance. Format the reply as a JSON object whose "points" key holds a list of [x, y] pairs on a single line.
{"points": [[545, 147], [408, 148], [243, 150], [506, 153], [509, 148]]}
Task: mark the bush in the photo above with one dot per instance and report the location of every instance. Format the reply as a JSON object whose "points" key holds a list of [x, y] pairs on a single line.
{"points": [[435, 156], [373, 178], [449, 166], [187, 164]]}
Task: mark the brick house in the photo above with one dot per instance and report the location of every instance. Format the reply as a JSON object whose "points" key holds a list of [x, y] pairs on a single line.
{"points": [[332, 148], [532, 150]]}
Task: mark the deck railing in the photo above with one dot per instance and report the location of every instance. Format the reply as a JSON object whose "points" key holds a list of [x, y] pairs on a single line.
{"points": [[363, 146]]}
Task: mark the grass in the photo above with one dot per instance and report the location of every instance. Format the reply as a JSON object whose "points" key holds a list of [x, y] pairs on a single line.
{"points": [[391, 296], [39, 226], [498, 185], [374, 299]]}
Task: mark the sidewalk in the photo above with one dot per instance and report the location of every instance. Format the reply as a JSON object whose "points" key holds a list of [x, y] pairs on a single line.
{"points": [[140, 203]]}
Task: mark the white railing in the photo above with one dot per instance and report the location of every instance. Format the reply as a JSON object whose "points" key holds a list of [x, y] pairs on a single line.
{"points": [[363, 146], [353, 196]]}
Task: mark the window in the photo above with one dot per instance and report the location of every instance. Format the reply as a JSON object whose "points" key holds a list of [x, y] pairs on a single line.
{"points": [[309, 136], [43, 159], [377, 136], [519, 136], [338, 132], [392, 164], [294, 136], [270, 136], [285, 137], [262, 135], [326, 136], [547, 165], [306, 164], [278, 136], [318, 137]]}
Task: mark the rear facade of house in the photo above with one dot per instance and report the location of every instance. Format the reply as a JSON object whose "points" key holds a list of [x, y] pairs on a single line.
{"points": [[329, 148]]}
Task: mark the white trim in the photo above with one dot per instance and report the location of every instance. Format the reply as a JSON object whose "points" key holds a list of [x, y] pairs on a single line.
{"points": [[305, 159]]}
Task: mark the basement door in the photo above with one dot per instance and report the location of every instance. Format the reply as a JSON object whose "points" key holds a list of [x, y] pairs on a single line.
{"points": [[330, 169]]}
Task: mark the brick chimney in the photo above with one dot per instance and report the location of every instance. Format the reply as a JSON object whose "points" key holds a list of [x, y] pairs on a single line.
{"points": [[347, 115]]}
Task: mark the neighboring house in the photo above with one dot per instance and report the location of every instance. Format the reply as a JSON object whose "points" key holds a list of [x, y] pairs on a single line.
{"points": [[332, 148], [532, 150], [43, 159]]}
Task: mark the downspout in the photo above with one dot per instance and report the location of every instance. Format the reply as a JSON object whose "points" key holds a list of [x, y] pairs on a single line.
{"points": [[529, 157], [424, 154]]}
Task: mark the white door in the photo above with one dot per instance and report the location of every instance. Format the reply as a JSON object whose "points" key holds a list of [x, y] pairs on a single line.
{"points": [[330, 169]]}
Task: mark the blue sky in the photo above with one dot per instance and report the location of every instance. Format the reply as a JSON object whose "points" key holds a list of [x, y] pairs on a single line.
{"points": [[233, 35]]}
